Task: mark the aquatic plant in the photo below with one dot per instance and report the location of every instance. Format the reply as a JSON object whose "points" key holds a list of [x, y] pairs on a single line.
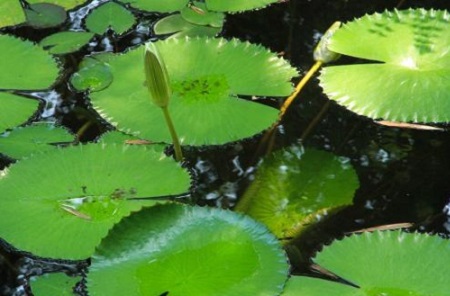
{"points": [[205, 107], [83, 192], [35, 138], [380, 263], [407, 79], [293, 188], [187, 251], [110, 16]]}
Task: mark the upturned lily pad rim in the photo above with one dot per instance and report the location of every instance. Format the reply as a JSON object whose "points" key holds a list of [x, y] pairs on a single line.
{"points": [[174, 231], [413, 45], [397, 261]]}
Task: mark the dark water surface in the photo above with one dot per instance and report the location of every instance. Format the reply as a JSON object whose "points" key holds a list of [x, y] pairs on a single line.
{"points": [[404, 174]]}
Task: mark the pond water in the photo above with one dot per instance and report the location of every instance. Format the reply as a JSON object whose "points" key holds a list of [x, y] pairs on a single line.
{"points": [[403, 173]]}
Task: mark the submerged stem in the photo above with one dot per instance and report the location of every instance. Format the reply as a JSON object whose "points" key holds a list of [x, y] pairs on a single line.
{"points": [[173, 134]]}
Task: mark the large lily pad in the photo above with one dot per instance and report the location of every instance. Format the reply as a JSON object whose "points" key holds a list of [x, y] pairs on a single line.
{"points": [[15, 110], [36, 138], [293, 187], [181, 250], [205, 84], [382, 263], [410, 83], [61, 204], [38, 70]]}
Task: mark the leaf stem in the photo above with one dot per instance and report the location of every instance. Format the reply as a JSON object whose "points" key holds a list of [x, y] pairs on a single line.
{"points": [[173, 134]]}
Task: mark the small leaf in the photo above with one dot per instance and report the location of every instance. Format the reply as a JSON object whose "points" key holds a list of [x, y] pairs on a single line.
{"points": [[65, 42], [51, 284], [308, 286], [180, 28], [15, 110], [67, 4], [236, 5], [188, 251], [158, 5], [38, 70], [93, 75], [204, 18], [112, 16], [36, 138], [45, 15]]}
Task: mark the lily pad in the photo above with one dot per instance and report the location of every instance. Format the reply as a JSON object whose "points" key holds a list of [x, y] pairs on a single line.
{"points": [[12, 13], [38, 70], [93, 74], [65, 42], [36, 138], [67, 4], [292, 188], [384, 263], [201, 16], [45, 15], [67, 208], [112, 16], [308, 286], [180, 28], [15, 110], [157, 5], [204, 106], [183, 250], [237, 5], [54, 284], [410, 83]]}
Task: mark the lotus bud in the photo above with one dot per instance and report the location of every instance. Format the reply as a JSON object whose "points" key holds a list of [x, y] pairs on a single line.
{"points": [[321, 52], [156, 76]]}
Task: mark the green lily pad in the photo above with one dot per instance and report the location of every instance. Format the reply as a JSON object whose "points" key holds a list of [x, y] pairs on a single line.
{"points": [[15, 110], [180, 28], [39, 137], [292, 188], [203, 16], [73, 196], [157, 5], [308, 286], [205, 84], [45, 15], [93, 74], [411, 83], [67, 4], [54, 284], [65, 42], [12, 13], [237, 5], [183, 250], [112, 16], [38, 70], [387, 263]]}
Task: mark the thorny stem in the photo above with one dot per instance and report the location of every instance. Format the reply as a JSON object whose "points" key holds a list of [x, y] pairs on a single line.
{"points": [[173, 134]]}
